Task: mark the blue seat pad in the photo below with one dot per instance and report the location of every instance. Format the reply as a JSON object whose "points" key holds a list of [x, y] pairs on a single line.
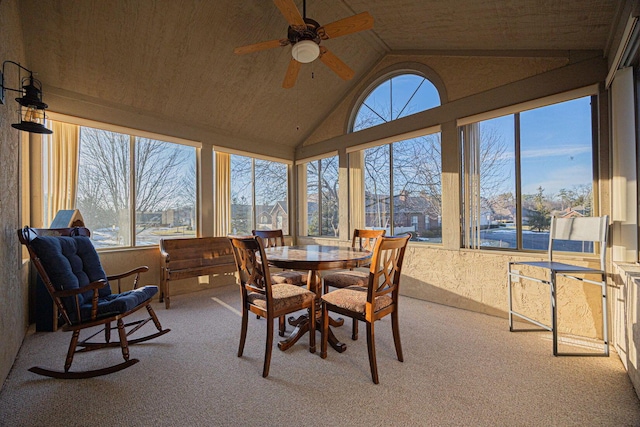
{"points": [[119, 303]]}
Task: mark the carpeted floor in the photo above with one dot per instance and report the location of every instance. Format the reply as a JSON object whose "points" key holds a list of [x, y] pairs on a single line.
{"points": [[461, 368]]}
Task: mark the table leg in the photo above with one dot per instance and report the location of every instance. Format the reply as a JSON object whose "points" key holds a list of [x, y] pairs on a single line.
{"points": [[302, 322]]}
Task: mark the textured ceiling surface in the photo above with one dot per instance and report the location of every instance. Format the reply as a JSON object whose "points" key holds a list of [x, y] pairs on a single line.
{"points": [[174, 58]]}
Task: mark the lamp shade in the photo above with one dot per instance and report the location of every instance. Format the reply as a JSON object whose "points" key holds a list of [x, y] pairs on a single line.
{"points": [[32, 127], [305, 51], [32, 110]]}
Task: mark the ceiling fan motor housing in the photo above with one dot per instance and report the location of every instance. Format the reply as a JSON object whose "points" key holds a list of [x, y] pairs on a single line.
{"points": [[310, 32]]}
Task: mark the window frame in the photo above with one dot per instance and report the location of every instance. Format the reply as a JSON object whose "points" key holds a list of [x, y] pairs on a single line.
{"points": [[515, 110], [426, 74], [135, 133], [302, 192], [254, 213], [432, 130]]}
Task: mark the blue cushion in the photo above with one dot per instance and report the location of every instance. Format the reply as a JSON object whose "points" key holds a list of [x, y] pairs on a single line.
{"points": [[119, 303], [72, 262]]}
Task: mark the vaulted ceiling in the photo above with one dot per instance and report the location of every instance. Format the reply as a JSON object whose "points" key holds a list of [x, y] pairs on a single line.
{"points": [[174, 59]]}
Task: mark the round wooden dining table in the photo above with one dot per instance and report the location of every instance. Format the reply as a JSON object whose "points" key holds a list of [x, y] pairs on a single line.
{"points": [[315, 258]]}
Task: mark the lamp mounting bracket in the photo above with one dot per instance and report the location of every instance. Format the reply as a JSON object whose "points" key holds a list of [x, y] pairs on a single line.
{"points": [[2, 90]]}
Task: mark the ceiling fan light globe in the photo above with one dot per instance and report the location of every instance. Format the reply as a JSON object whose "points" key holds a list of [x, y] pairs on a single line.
{"points": [[305, 51]]}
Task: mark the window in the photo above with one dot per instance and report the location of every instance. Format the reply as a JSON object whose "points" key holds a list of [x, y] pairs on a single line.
{"points": [[322, 197], [133, 191], [540, 160], [402, 183], [258, 190], [396, 97]]}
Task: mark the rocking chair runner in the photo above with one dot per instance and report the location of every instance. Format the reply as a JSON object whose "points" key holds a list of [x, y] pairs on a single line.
{"points": [[70, 268]]}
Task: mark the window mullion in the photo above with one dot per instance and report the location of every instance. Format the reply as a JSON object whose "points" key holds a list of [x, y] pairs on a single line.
{"points": [[132, 190], [516, 127], [392, 192], [319, 213], [253, 194]]}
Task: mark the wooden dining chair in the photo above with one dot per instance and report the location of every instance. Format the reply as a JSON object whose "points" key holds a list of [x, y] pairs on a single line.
{"points": [[363, 239], [373, 302], [272, 238], [261, 297], [70, 269]]}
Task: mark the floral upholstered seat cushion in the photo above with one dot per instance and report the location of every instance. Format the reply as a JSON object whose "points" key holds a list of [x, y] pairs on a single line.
{"points": [[354, 298], [291, 277], [284, 296], [345, 279]]}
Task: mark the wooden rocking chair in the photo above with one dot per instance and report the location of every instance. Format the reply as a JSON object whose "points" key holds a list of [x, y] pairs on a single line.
{"points": [[70, 268]]}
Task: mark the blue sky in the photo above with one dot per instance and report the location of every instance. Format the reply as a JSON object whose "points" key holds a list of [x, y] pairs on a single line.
{"points": [[556, 145]]}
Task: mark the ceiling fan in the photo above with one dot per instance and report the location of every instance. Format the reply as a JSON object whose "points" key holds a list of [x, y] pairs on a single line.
{"points": [[304, 35]]}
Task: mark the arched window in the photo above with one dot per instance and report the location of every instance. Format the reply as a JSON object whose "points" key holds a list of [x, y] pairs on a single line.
{"points": [[397, 96], [393, 185]]}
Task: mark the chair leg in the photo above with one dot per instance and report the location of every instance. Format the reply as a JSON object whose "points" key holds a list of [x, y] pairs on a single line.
{"points": [[371, 347], [554, 312], [71, 351], [325, 331], [268, 347], [243, 331], [107, 332], [354, 329], [281, 326], [396, 334], [123, 339], [312, 328], [154, 318]]}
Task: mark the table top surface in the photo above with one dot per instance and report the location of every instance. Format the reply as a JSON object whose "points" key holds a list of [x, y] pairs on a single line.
{"points": [[316, 257]]}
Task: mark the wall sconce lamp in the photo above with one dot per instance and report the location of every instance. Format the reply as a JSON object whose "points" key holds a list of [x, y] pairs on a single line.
{"points": [[32, 109]]}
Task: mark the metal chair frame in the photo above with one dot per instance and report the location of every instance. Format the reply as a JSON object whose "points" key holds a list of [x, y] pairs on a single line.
{"points": [[589, 229]]}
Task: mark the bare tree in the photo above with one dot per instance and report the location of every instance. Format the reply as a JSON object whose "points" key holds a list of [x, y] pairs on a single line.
{"points": [[377, 184], [322, 181], [265, 180], [104, 177]]}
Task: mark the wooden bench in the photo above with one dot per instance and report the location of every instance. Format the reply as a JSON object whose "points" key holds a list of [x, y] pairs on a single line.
{"points": [[193, 257]]}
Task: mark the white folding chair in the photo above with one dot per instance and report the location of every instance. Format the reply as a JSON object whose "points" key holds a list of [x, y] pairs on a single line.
{"points": [[585, 229]]}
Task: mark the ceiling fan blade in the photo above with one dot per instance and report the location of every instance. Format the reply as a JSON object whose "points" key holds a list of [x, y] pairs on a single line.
{"points": [[341, 27], [292, 74], [290, 11], [333, 62], [260, 46]]}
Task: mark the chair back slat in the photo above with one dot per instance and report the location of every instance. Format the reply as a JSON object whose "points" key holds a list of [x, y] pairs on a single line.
{"points": [[585, 229], [588, 229], [253, 270], [270, 238], [365, 239], [386, 266]]}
